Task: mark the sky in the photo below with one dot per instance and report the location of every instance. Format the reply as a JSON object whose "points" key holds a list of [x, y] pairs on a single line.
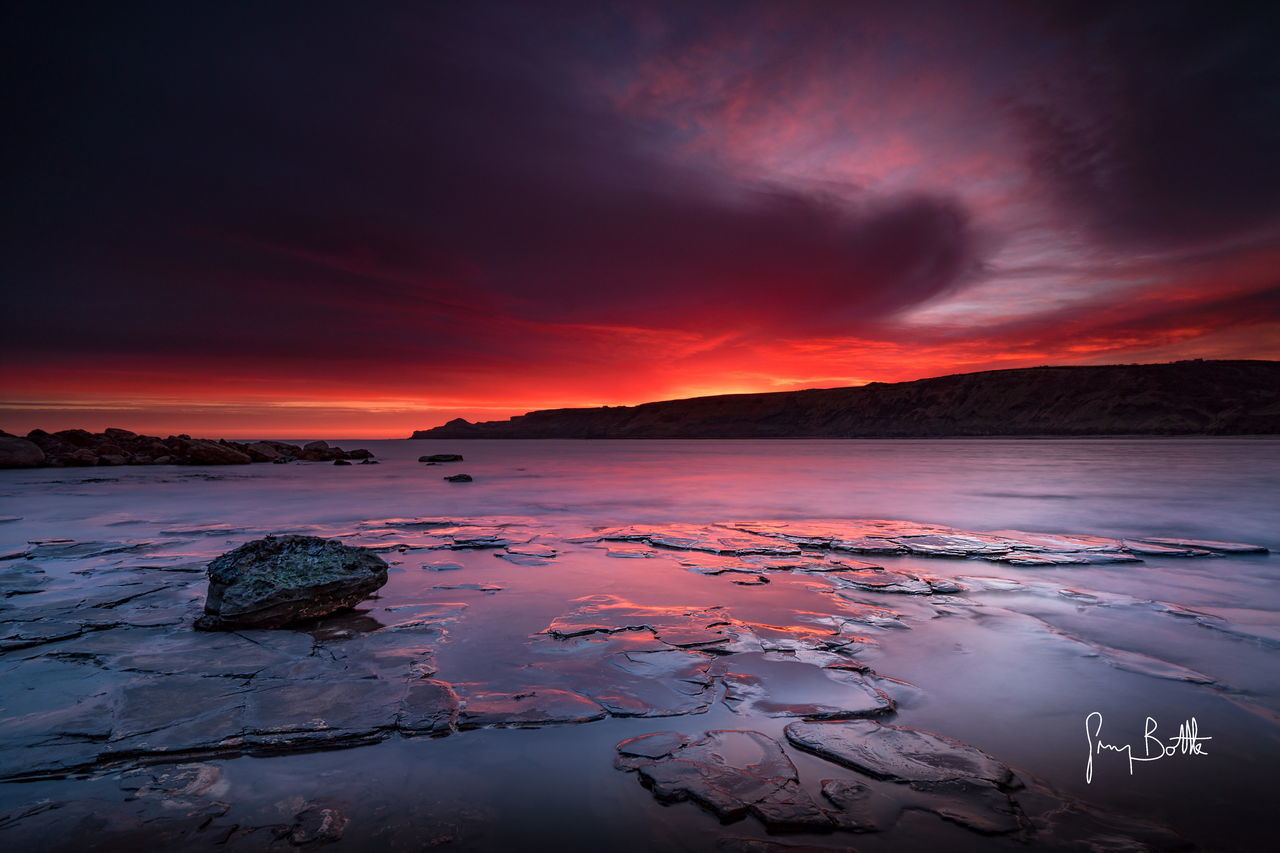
{"points": [[359, 219]]}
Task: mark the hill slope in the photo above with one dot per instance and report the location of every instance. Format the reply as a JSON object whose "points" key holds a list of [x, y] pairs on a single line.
{"points": [[1182, 398]]}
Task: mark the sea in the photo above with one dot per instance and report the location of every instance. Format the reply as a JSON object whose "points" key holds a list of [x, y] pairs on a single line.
{"points": [[1015, 663]]}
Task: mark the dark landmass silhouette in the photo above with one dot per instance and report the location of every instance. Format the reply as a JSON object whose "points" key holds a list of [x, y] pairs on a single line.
{"points": [[1181, 398]]}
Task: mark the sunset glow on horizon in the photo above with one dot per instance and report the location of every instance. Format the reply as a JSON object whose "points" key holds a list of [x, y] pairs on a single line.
{"points": [[227, 223]]}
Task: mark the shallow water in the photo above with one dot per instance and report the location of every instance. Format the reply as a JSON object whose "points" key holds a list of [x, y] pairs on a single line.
{"points": [[1011, 671]]}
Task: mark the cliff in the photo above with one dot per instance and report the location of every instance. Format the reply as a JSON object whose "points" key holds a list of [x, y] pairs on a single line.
{"points": [[1181, 398]]}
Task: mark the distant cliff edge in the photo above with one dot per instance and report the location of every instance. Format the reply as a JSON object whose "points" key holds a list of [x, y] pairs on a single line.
{"points": [[1182, 398]]}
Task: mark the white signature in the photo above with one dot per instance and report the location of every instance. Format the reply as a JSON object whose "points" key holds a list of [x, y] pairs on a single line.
{"points": [[1187, 743]]}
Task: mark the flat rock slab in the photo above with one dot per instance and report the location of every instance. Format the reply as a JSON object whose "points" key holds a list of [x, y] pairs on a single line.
{"points": [[536, 706], [635, 682], [885, 536], [751, 694], [732, 773], [610, 614], [898, 753], [684, 537], [1206, 545]]}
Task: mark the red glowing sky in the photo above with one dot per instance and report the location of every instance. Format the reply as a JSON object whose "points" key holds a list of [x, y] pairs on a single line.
{"points": [[386, 220]]}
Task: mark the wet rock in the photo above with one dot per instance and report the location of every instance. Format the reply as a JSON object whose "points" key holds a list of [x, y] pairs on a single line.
{"points": [[610, 614], [884, 581], [530, 707], [216, 529], [322, 712], [278, 580], [459, 478], [629, 680], [476, 538], [20, 453], [479, 587], [1152, 549], [1207, 545], [528, 554], [532, 549], [745, 693], [731, 773], [430, 707], [897, 753], [441, 457], [22, 580], [176, 714], [981, 582], [630, 553], [1057, 543], [318, 823], [1032, 559], [442, 566], [682, 537], [880, 536], [952, 545]]}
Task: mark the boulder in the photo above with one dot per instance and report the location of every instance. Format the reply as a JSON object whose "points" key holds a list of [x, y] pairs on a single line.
{"points": [[20, 453], [321, 451], [77, 437], [459, 478], [197, 452], [261, 451], [441, 457], [82, 457], [274, 581], [341, 462]]}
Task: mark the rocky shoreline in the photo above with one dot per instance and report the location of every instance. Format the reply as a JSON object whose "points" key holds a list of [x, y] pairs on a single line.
{"points": [[80, 448], [157, 712]]}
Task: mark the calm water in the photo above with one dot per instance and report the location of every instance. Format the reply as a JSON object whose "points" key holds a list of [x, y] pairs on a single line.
{"points": [[1015, 675], [1208, 488]]}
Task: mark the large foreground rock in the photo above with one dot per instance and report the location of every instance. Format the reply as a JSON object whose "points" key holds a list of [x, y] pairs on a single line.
{"points": [[19, 453], [281, 579]]}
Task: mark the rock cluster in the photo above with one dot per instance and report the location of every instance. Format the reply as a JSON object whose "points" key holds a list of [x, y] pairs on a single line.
{"points": [[77, 447]]}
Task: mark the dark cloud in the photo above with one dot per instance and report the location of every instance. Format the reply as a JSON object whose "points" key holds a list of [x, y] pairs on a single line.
{"points": [[458, 187], [1160, 122], [246, 178]]}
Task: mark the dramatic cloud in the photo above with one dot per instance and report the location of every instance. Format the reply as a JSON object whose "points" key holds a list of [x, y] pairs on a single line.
{"points": [[262, 218]]}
